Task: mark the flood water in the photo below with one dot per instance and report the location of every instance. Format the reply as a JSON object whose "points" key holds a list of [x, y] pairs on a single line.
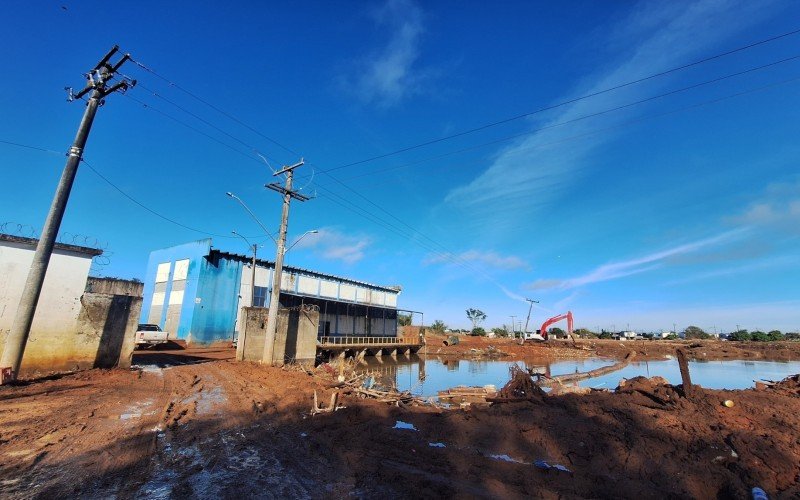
{"points": [[426, 377]]}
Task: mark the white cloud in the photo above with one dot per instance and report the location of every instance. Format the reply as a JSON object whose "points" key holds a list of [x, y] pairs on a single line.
{"points": [[630, 267], [330, 243], [528, 175], [778, 209], [391, 74], [487, 258]]}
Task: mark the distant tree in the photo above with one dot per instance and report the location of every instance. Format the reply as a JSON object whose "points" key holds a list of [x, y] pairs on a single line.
{"points": [[672, 336], [606, 335], [403, 319], [585, 333], [438, 326], [775, 335], [695, 332], [478, 331], [557, 332], [759, 336], [792, 336], [500, 332], [740, 335], [476, 316]]}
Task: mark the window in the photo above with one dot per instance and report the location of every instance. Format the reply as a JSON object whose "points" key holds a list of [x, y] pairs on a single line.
{"points": [[260, 297]]}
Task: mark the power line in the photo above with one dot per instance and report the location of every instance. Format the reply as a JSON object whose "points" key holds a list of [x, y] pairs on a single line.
{"points": [[569, 101], [573, 137], [488, 125], [215, 108], [142, 205], [620, 107]]}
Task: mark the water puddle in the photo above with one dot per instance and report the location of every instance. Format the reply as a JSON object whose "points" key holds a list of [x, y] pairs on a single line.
{"points": [[426, 377]]}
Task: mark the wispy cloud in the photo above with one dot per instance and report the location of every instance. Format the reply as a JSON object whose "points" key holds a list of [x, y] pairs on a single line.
{"points": [[329, 243], [488, 258], [779, 209], [769, 263], [391, 73], [638, 265], [528, 175]]}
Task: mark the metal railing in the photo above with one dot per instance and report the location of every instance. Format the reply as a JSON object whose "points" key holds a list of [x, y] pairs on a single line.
{"points": [[360, 341]]}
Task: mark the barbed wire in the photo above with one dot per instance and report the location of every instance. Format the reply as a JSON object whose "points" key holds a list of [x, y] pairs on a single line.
{"points": [[17, 229]]}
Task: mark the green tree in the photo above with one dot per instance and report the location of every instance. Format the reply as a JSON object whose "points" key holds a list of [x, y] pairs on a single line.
{"points": [[403, 319], [695, 332], [775, 335], [476, 316], [478, 331], [759, 336], [500, 332], [438, 326], [557, 332], [740, 335]]}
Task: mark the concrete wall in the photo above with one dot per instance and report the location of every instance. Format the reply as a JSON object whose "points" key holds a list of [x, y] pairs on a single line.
{"points": [[59, 303], [106, 328], [114, 286], [101, 337], [296, 339]]}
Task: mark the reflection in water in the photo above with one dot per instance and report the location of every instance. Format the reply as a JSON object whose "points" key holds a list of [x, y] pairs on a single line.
{"points": [[427, 376]]}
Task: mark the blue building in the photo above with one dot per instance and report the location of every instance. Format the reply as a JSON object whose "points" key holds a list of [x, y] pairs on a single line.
{"points": [[196, 293]]}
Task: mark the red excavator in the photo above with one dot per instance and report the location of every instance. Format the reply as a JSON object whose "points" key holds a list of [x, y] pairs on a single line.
{"points": [[542, 335]]}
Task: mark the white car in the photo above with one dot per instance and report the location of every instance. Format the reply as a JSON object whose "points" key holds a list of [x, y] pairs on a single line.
{"points": [[149, 335]]}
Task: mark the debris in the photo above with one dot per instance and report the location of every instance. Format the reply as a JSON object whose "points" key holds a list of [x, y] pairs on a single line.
{"points": [[728, 403], [316, 408], [436, 445], [464, 394], [520, 388], [759, 494], [399, 424]]}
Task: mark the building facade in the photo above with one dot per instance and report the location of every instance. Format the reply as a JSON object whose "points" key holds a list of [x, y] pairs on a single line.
{"points": [[196, 293]]}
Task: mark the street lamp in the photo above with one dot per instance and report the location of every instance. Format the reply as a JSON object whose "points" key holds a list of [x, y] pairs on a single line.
{"points": [[313, 231], [253, 280], [266, 231]]}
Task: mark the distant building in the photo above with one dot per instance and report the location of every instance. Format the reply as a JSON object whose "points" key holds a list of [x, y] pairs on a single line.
{"points": [[196, 293]]}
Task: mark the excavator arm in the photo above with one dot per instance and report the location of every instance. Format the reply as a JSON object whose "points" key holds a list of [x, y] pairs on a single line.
{"points": [[555, 319]]}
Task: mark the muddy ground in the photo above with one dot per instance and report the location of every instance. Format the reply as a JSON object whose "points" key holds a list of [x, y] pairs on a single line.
{"points": [[197, 424], [588, 348]]}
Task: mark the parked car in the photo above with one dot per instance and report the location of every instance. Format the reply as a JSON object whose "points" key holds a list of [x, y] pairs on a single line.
{"points": [[150, 335]]}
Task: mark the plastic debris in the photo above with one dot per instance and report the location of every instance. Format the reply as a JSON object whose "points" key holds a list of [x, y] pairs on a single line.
{"points": [[728, 403], [541, 464], [303, 434], [436, 445], [759, 494], [404, 425], [561, 468], [505, 458]]}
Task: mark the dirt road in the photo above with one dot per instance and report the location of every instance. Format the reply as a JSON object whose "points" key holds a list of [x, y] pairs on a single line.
{"points": [[201, 425]]}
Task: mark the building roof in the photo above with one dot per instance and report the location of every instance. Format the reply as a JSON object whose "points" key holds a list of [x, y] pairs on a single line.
{"points": [[300, 270], [32, 242]]}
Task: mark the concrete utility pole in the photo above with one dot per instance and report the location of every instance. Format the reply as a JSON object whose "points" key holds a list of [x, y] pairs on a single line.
{"points": [[513, 325], [530, 308], [97, 80], [274, 302]]}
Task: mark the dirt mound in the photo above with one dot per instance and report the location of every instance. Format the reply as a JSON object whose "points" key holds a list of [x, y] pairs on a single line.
{"points": [[789, 386]]}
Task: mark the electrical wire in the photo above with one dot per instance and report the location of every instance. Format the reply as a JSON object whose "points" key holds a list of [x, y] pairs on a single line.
{"points": [[488, 125]]}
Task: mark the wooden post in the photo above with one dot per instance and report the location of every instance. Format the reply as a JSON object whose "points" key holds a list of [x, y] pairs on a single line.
{"points": [[686, 379]]}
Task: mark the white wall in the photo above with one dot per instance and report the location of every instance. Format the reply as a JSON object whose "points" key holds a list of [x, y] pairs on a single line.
{"points": [[59, 303]]}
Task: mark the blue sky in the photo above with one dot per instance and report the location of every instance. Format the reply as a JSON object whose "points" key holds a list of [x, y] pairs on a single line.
{"points": [[680, 209]]}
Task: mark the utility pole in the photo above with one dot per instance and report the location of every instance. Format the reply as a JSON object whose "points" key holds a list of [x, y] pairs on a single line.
{"points": [[529, 314], [274, 301], [97, 81], [513, 327]]}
